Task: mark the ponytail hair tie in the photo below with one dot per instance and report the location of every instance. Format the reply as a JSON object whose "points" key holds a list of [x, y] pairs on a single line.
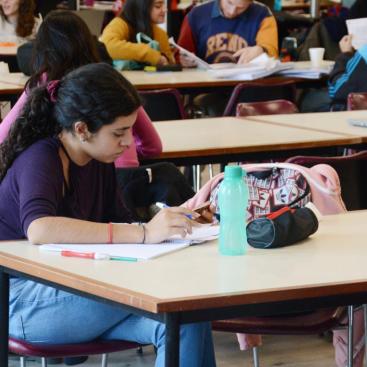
{"points": [[52, 88]]}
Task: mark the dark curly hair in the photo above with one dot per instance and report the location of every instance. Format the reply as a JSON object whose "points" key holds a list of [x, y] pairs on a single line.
{"points": [[63, 43], [95, 94], [26, 21], [137, 15]]}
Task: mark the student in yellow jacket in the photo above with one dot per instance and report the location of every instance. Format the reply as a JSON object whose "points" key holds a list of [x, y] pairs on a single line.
{"points": [[138, 16]]}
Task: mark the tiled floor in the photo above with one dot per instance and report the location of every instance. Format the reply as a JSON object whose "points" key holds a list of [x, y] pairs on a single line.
{"points": [[284, 351]]}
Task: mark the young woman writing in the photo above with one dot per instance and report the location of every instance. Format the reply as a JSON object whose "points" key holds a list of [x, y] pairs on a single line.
{"points": [[66, 139], [138, 16], [64, 43]]}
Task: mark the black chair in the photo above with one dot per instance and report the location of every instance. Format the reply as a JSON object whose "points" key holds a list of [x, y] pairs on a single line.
{"points": [[163, 104]]}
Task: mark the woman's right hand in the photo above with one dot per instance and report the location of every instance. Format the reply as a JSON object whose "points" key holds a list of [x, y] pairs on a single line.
{"points": [[187, 62], [162, 61], [345, 44], [168, 222]]}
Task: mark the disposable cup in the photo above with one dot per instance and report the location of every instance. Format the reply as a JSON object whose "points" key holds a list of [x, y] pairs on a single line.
{"points": [[4, 67], [316, 56]]}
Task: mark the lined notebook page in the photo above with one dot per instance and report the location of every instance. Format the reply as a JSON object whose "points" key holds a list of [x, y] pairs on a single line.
{"points": [[141, 251]]}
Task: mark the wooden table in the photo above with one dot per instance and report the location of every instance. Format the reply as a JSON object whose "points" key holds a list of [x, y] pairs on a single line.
{"points": [[197, 284], [187, 80], [195, 79], [212, 140], [335, 122], [12, 83], [8, 50]]}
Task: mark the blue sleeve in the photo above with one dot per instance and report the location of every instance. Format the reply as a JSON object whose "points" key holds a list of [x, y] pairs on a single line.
{"points": [[346, 76]]}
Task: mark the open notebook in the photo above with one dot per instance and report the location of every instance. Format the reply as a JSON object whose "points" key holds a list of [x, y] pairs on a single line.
{"points": [[141, 251], [261, 66]]}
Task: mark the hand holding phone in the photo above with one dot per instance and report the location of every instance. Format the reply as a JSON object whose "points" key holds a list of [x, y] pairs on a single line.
{"points": [[206, 213]]}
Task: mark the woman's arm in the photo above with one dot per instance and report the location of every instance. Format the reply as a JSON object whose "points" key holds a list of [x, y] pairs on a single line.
{"points": [[161, 36], [168, 222], [12, 116], [267, 36], [148, 143], [346, 75], [115, 36]]}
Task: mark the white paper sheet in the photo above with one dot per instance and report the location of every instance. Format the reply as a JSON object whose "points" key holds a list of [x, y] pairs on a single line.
{"points": [[358, 28], [141, 251], [134, 251], [260, 63]]}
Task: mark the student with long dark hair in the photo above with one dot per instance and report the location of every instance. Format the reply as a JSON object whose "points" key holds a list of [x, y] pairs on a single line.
{"points": [[58, 186], [17, 21], [64, 43], [138, 16]]}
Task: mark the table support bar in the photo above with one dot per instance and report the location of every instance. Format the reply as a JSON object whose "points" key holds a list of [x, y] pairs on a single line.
{"points": [[4, 317], [172, 355]]}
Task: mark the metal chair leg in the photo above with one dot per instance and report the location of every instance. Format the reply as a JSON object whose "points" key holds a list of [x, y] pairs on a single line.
{"points": [[194, 178], [198, 177], [44, 362], [22, 361], [350, 335], [104, 360], [211, 171], [255, 356]]}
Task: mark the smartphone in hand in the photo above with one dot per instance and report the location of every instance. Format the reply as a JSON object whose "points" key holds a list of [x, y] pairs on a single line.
{"points": [[206, 215]]}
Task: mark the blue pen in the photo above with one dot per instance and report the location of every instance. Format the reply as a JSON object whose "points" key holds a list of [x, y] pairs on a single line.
{"points": [[163, 205]]}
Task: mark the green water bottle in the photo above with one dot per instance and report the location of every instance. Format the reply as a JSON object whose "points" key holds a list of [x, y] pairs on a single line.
{"points": [[232, 199]]}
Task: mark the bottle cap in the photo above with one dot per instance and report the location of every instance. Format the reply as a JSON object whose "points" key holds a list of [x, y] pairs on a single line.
{"points": [[233, 172]]}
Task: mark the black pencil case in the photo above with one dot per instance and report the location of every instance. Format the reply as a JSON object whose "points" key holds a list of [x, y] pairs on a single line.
{"points": [[282, 228]]}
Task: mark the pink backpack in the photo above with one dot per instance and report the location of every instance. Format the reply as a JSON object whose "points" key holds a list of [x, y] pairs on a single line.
{"points": [[325, 193], [288, 184]]}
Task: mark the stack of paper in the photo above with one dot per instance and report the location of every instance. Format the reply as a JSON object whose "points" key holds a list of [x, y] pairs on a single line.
{"points": [[358, 29], [259, 67], [140, 251], [304, 69]]}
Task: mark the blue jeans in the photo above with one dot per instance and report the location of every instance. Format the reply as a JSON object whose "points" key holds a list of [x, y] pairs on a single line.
{"points": [[42, 314]]}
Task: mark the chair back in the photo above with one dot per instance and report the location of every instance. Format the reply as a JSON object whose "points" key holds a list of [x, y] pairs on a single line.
{"points": [[257, 92], [163, 104], [352, 171], [278, 106], [357, 101]]}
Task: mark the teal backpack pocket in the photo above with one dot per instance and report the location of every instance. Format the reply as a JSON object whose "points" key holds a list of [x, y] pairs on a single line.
{"points": [[132, 64]]}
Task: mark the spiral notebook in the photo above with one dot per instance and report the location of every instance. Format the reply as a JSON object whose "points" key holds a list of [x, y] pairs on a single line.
{"points": [[141, 251]]}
